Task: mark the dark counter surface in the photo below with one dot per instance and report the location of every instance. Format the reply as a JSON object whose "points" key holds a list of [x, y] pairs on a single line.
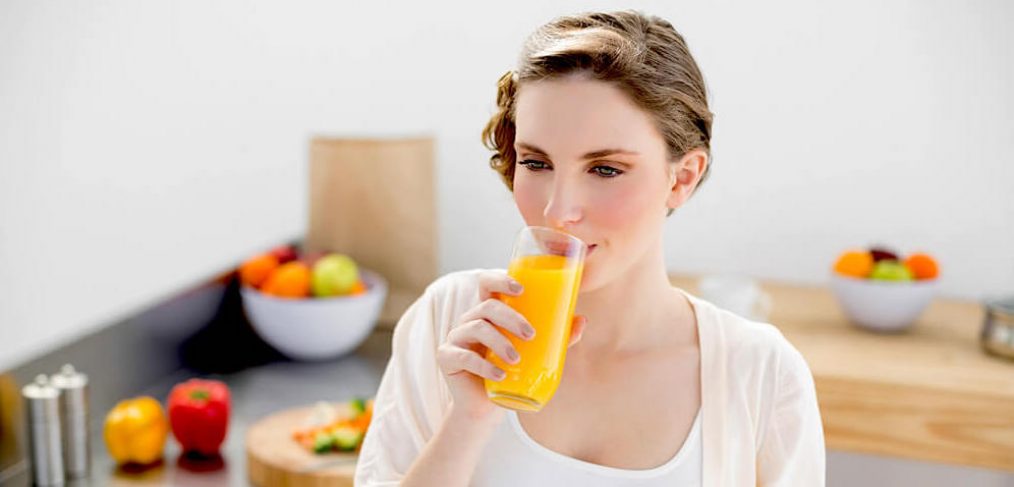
{"points": [[256, 392]]}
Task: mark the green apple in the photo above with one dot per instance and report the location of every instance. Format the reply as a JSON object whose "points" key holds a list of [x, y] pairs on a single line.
{"points": [[890, 270], [334, 275]]}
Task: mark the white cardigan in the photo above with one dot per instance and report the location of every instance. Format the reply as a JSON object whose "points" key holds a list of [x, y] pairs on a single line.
{"points": [[761, 424]]}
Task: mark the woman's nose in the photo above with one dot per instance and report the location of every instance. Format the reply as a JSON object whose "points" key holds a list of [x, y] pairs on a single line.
{"points": [[564, 207]]}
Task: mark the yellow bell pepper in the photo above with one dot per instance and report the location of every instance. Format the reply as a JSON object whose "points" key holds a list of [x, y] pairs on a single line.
{"points": [[136, 430]]}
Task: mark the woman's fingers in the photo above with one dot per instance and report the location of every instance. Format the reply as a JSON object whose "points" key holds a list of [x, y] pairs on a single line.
{"points": [[491, 283], [483, 328], [455, 360], [503, 316], [460, 354], [481, 332]]}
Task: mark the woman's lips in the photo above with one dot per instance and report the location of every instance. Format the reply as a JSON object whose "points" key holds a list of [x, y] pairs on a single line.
{"points": [[566, 248]]}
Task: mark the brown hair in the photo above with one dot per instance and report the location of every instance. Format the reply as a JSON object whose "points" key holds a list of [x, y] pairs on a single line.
{"points": [[642, 55]]}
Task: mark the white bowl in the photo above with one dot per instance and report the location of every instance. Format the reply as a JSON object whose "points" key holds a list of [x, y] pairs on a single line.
{"points": [[316, 328], [883, 306]]}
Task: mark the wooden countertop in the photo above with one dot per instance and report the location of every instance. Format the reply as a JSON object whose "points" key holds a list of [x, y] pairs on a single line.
{"points": [[930, 393]]}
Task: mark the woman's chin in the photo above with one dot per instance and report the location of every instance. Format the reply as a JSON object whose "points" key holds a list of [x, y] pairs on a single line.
{"points": [[589, 280]]}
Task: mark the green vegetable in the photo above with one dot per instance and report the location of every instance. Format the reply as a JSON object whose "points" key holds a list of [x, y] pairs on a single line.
{"points": [[359, 405], [347, 439], [323, 442]]}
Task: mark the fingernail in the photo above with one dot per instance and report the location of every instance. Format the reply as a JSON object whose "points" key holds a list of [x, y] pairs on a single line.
{"points": [[529, 333], [516, 287], [500, 375], [513, 356]]}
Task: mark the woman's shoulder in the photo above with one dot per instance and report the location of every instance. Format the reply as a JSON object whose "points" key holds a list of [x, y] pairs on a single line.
{"points": [[748, 343], [449, 295], [430, 317], [460, 285], [754, 360]]}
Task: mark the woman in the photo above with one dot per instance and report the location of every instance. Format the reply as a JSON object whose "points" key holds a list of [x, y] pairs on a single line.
{"points": [[602, 132]]}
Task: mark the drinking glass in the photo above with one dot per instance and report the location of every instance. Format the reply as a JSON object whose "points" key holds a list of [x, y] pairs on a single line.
{"points": [[548, 263]]}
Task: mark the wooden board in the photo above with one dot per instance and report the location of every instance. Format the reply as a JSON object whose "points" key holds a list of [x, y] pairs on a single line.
{"points": [[375, 200], [929, 393], [274, 459]]}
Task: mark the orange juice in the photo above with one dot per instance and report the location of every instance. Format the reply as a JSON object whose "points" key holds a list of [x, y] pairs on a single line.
{"points": [[551, 284]]}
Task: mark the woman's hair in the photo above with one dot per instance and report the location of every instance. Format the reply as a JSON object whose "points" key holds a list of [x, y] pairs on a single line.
{"points": [[640, 54]]}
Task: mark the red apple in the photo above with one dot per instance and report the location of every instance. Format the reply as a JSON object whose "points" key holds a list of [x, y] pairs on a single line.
{"points": [[881, 253], [285, 253]]}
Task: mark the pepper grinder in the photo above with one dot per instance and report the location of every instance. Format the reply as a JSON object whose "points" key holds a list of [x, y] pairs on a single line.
{"points": [[73, 387], [44, 432]]}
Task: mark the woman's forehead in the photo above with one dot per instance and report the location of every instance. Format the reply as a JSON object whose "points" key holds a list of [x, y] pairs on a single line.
{"points": [[572, 116]]}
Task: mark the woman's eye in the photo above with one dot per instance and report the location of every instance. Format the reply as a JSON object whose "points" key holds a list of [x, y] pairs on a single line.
{"points": [[606, 171], [534, 165]]}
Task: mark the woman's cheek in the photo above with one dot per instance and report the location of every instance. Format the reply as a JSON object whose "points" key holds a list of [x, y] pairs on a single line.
{"points": [[618, 205], [529, 199]]}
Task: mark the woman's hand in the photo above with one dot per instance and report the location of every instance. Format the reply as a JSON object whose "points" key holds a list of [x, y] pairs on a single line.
{"points": [[462, 357]]}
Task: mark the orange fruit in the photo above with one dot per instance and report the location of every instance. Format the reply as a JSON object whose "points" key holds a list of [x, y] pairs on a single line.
{"points": [[922, 266], [290, 280], [255, 271], [358, 288], [854, 263]]}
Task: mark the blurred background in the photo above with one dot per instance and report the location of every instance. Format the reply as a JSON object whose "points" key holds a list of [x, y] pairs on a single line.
{"points": [[144, 145]]}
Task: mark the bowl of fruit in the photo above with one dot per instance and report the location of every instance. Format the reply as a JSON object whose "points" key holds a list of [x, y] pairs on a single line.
{"points": [[880, 291], [311, 307]]}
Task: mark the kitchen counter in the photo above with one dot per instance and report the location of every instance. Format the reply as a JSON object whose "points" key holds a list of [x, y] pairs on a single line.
{"points": [[929, 393], [256, 392]]}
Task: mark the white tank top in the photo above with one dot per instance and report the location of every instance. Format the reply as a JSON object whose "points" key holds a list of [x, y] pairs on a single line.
{"points": [[513, 458]]}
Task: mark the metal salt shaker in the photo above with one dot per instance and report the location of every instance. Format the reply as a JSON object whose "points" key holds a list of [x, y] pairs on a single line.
{"points": [[73, 387], [43, 409], [997, 335]]}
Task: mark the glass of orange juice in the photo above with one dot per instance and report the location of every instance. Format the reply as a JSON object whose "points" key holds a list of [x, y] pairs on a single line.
{"points": [[548, 263]]}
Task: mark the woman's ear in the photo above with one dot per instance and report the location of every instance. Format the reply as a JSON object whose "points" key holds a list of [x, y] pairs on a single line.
{"points": [[684, 175]]}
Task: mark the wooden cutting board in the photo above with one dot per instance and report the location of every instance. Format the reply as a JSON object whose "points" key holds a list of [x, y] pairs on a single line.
{"points": [[274, 459]]}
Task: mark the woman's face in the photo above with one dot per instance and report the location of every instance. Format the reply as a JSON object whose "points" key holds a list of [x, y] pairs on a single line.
{"points": [[593, 164]]}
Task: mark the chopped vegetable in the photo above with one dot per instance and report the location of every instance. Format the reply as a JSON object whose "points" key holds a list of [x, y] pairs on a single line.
{"points": [[331, 429], [323, 442], [347, 438]]}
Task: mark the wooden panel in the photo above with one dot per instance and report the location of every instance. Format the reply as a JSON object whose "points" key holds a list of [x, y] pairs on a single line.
{"points": [[929, 393], [374, 200], [917, 422]]}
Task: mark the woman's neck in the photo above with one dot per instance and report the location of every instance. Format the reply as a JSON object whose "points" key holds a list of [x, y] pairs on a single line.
{"points": [[639, 310]]}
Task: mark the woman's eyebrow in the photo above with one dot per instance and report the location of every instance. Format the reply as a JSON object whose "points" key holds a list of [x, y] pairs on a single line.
{"points": [[591, 155]]}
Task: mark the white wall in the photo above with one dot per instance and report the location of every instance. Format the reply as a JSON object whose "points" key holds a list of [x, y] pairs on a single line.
{"points": [[144, 145]]}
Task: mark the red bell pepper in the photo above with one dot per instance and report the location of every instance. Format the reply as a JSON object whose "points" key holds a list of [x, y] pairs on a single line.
{"points": [[199, 415]]}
